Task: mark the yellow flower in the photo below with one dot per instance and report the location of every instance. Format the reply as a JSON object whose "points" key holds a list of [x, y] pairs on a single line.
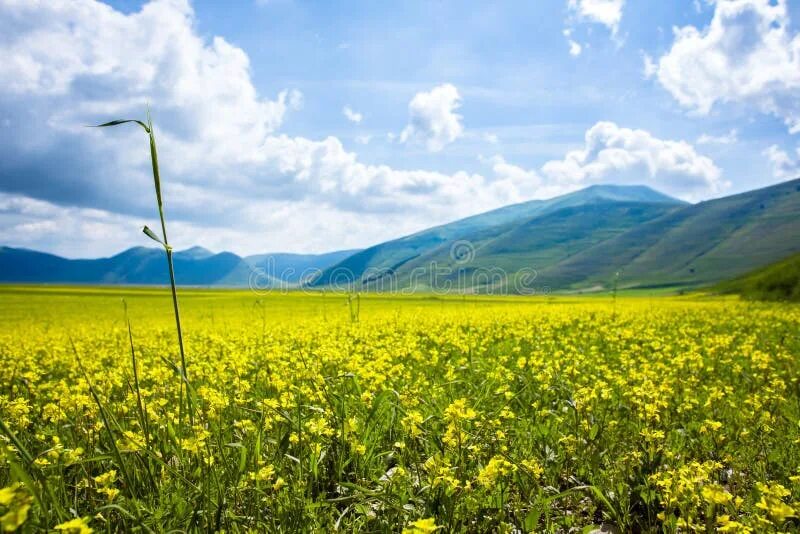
{"points": [[79, 525], [716, 494], [411, 422], [533, 467], [106, 478], [18, 502], [726, 524], [772, 503], [422, 526], [497, 468], [263, 474], [458, 409]]}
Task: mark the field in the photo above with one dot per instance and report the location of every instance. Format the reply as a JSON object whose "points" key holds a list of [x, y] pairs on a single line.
{"points": [[415, 414]]}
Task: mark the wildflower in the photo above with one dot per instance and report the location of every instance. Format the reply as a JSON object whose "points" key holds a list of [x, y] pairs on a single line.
{"points": [[106, 478], [726, 524], [716, 494], [422, 526], [772, 503], [263, 474], [17, 501], [411, 423], [497, 468], [533, 467], [458, 409], [79, 525]]}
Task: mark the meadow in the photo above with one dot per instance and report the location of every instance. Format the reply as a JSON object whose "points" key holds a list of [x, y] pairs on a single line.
{"points": [[411, 413]]}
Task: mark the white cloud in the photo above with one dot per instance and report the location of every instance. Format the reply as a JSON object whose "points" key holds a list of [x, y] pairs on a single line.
{"points": [[574, 48], [433, 118], [94, 61], [746, 55], [618, 155], [352, 116], [270, 226], [519, 184], [650, 67], [726, 139], [363, 139], [605, 12], [784, 167], [82, 232], [491, 138], [231, 179]]}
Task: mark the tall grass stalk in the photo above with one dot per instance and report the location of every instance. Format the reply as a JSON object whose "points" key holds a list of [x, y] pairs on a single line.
{"points": [[148, 128]]}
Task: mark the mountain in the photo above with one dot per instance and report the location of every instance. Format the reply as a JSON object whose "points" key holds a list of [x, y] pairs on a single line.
{"points": [[430, 245], [583, 239], [590, 239], [777, 281], [294, 267], [699, 244], [144, 266]]}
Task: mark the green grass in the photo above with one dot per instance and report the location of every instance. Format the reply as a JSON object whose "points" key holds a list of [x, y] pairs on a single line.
{"points": [[779, 281]]}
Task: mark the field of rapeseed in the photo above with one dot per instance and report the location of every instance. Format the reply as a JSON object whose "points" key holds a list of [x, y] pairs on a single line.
{"points": [[424, 414]]}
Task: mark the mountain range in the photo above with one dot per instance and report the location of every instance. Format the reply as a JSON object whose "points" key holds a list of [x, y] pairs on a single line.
{"points": [[594, 238], [146, 266]]}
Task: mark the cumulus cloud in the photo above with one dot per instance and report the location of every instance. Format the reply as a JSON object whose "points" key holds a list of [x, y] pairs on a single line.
{"points": [[491, 138], [574, 47], [605, 12], [72, 63], [726, 139], [784, 166], [231, 178], [352, 116], [619, 155], [747, 55], [67, 64], [433, 119]]}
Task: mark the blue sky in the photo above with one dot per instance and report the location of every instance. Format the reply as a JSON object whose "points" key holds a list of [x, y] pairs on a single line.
{"points": [[312, 126]]}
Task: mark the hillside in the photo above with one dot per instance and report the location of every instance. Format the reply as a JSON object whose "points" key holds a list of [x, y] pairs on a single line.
{"points": [[581, 240], [401, 256], [698, 244], [778, 281], [574, 242], [145, 266]]}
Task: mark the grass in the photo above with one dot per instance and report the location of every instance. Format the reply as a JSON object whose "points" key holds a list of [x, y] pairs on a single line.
{"points": [[778, 281], [468, 414]]}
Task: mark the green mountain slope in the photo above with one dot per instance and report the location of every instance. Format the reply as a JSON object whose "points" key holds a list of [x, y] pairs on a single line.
{"points": [[778, 281], [582, 240], [497, 254], [698, 244], [405, 254]]}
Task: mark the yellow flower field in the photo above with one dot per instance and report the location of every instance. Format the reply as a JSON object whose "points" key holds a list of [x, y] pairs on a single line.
{"points": [[426, 414]]}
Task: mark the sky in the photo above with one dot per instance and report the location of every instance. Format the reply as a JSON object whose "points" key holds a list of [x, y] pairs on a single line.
{"points": [[299, 126]]}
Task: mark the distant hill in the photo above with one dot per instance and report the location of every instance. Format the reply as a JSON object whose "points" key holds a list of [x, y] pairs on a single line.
{"points": [[778, 281], [581, 240], [695, 245], [145, 266], [399, 256], [292, 267]]}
